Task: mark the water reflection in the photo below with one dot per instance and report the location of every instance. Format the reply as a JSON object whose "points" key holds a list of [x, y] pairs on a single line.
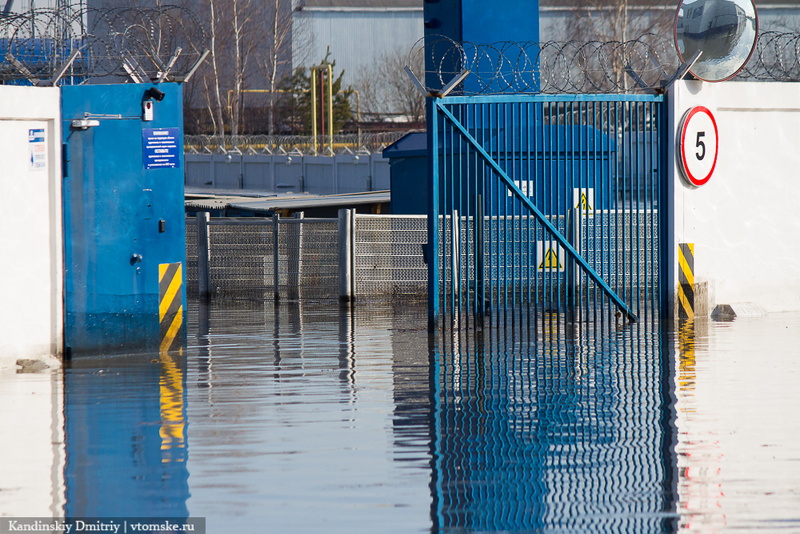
{"points": [[126, 442], [738, 439], [363, 419], [309, 406], [547, 428]]}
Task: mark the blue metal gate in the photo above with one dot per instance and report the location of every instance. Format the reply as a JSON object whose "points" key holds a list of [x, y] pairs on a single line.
{"points": [[547, 203]]}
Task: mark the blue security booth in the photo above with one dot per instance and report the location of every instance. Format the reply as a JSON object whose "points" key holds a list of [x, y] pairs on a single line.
{"points": [[550, 159], [124, 233]]}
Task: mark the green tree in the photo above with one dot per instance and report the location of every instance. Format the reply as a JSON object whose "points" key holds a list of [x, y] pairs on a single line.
{"points": [[299, 87]]}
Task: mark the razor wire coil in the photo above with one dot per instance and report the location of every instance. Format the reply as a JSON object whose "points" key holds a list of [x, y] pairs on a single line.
{"points": [[112, 40], [146, 39], [574, 67]]}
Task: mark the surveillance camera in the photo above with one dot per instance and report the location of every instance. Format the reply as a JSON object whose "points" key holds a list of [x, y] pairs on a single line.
{"points": [[155, 94]]}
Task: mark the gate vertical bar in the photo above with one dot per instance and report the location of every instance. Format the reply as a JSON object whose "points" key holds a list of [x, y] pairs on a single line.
{"points": [[665, 203], [276, 276], [433, 213]]}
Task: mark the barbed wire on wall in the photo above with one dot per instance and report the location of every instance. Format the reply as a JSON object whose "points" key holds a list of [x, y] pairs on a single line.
{"points": [[167, 42], [776, 57], [573, 67], [354, 144], [154, 43]]}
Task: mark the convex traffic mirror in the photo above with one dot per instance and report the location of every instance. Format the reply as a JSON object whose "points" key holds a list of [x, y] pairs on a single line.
{"points": [[723, 31]]}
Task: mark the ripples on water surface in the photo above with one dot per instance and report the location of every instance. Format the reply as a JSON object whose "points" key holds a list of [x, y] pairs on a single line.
{"points": [[308, 419]]}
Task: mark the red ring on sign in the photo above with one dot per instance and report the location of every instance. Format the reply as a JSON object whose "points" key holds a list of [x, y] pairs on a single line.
{"points": [[694, 180]]}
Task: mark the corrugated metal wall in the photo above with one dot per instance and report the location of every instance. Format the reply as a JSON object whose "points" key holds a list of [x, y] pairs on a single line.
{"points": [[358, 39]]}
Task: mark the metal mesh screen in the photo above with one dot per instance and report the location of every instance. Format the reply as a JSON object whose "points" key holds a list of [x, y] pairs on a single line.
{"points": [[514, 239], [241, 256], [308, 258], [191, 256], [388, 260], [622, 246], [389, 256]]}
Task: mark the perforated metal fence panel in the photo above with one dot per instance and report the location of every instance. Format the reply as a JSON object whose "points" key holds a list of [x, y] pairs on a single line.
{"points": [[308, 258], [241, 256], [389, 255]]}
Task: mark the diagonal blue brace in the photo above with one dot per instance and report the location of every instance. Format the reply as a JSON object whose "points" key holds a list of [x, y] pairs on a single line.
{"points": [[624, 308]]}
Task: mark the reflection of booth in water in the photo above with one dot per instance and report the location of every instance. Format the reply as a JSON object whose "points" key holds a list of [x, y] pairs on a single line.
{"points": [[126, 442]]}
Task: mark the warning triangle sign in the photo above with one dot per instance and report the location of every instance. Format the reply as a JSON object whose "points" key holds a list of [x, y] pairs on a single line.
{"points": [[550, 260], [584, 203]]}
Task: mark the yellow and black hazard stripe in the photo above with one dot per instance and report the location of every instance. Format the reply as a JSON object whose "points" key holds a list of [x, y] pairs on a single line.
{"points": [[170, 306], [686, 280], [687, 362], [173, 409]]}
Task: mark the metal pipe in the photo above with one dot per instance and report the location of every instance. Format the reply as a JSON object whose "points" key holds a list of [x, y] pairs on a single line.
{"points": [[345, 232], [330, 106], [314, 108]]}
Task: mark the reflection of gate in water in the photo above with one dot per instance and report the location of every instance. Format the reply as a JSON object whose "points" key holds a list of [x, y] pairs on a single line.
{"points": [[553, 429], [567, 189]]}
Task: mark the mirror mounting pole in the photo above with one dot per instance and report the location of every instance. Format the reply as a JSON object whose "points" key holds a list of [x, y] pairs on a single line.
{"points": [[681, 72]]}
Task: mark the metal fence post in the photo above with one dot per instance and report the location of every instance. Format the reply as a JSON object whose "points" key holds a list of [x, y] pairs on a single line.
{"points": [[480, 262], [203, 255], [295, 258], [346, 223], [275, 258]]}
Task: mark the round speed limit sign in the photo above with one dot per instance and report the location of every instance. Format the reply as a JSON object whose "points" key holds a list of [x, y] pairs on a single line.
{"points": [[698, 145]]}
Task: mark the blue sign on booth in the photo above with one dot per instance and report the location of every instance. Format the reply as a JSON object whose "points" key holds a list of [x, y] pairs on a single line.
{"points": [[160, 148]]}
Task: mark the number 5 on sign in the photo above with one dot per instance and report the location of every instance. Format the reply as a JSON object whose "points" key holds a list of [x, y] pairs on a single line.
{"points": [[697, 145]]}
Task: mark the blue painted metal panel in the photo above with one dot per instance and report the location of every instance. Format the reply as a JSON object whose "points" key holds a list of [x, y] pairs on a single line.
{"points": [[121, 218], [477, 23]]}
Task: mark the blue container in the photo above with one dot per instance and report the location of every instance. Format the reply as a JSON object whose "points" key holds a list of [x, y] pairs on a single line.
{"points": [[408, 174], [549, 164], [123, 217]]}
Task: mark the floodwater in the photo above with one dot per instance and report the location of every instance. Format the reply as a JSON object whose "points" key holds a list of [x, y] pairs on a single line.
{"points": [[306, 418]]}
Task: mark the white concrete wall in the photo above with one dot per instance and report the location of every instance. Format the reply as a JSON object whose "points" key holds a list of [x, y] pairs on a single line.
{"points": [[31, 296], [745, 222]]}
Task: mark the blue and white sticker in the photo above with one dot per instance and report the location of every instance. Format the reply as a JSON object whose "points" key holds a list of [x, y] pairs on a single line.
{"points": [[37, 148]]}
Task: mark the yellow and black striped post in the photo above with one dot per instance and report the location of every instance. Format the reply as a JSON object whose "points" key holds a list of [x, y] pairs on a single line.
{"points": [[686, 280], [170, 306]]}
